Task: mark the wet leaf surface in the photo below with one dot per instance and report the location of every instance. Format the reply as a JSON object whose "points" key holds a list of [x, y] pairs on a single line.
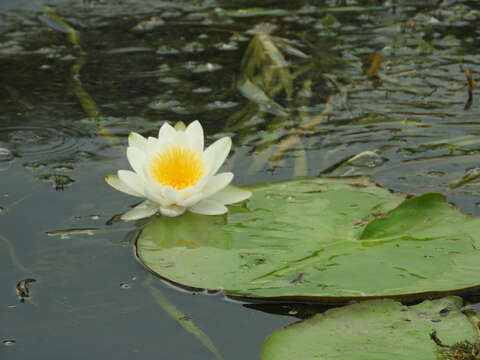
{"points": [[328, 240], [374, 330]]}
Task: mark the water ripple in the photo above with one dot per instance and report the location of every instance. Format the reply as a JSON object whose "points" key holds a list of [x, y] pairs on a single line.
{"points": [[40, 141]]}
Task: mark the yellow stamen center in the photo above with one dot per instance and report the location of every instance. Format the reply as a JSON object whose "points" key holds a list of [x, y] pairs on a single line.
{"points": [[178, 167]]}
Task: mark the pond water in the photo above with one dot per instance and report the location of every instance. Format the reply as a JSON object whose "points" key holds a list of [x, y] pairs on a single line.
{"points": [[381, 88]]}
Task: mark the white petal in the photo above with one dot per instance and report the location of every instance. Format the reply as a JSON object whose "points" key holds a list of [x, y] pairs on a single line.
{"points": [[168, 136], [166, 132], [192, 194], [180, 139], [194, 189], [194, 133], [216, 183], [132, 181], [137, 141], [155, 197], [153, 190], [216, 153], [230, 195], [191, 200], [172, 210], [145, 209], [172, 195], [114, 181], [137, 159], [164, 195], [153, 146], [208, 207]]}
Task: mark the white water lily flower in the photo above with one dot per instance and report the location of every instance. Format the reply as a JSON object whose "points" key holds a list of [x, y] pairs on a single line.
{"points": [[174, 173]]}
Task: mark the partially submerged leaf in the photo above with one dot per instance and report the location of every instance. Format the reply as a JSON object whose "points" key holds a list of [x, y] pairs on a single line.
{"points": [[309, 239], [253, 93], [289, 49], [471, 176], [377, 329], [265, 65]]}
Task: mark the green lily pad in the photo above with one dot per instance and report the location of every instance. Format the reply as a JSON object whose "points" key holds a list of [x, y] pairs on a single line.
{"points": [[375, 329], [332, 240]]}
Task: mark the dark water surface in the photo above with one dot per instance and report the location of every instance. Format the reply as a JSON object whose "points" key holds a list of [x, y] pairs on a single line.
{"points": [[137, 64]]}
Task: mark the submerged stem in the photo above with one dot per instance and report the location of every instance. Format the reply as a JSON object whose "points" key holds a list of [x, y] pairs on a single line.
{"points": [[13, 255], [73, 36], [15, 203], [86, 101], [183, 320]]}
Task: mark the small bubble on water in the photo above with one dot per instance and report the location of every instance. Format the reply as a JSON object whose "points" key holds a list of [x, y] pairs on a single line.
{"points": [[125, 286], [8, 342], [11, 307], [293, 312], [94, 217]]}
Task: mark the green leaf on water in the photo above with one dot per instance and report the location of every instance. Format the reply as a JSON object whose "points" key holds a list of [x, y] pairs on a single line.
{"points": [[330, 240], [375, 329]]}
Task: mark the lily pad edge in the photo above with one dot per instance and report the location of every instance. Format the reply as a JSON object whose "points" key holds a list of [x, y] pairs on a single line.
{"points": [[409, 298]]}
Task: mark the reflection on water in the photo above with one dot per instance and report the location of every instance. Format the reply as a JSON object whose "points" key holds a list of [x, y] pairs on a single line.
{"points": [[296, 95]]}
